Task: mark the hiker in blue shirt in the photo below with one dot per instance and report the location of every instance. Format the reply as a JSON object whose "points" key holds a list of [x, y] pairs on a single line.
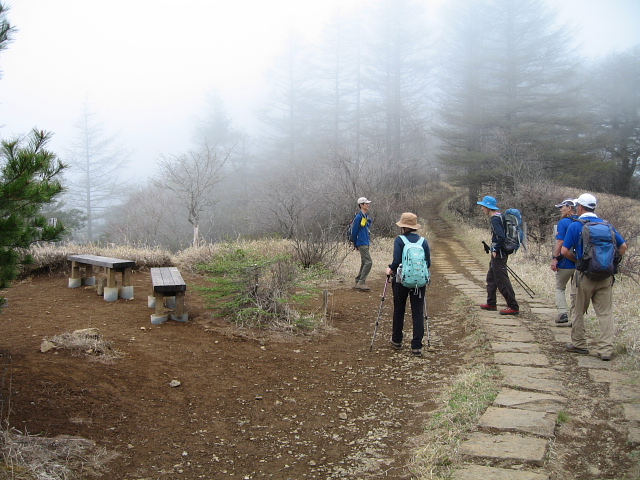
{"points": [[498, 275], [361, 241], [597, 292], [408, 227], [562, 266]]}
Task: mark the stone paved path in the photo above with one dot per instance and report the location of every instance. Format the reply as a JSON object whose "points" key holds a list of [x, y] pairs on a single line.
{"points": [[517, 438]]}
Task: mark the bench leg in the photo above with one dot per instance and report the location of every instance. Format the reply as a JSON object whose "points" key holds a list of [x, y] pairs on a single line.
{"points": [[126, 290], [179, 314], [75, 281], [111, 290], [170, 302], [160, 316], [89, 278]]}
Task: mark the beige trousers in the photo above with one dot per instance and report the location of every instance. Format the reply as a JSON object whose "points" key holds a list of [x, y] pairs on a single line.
{"points": [[563, 278], [600, 294]]}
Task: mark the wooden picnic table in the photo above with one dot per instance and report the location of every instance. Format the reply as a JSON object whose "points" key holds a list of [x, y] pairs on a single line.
{"points": [[167, 291], [111, 266]]}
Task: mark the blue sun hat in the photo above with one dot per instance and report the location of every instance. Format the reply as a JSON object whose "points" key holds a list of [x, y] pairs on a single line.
{"points": [[489, 202]]}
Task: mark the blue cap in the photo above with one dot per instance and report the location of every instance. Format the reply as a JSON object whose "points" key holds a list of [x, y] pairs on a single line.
{"points": [[489, 202]]}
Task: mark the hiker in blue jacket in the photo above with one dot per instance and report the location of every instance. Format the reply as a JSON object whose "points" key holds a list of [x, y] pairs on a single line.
{"points": [[498, 275], [562, 266], [597, 292], [361, 242], [408, 227]]}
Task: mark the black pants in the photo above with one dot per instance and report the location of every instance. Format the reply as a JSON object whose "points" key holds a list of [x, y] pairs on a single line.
{"points": [[400, 294], [498, 279]]}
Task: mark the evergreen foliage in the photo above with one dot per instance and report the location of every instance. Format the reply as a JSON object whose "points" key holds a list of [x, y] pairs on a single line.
{"points": [[28, 180]]}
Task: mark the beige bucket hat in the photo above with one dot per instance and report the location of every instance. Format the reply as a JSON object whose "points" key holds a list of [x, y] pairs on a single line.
{"points": [[408, 220]]}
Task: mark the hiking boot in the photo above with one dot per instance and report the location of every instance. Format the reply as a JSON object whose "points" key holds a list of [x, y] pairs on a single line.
{"points": [[486, 306], [395, 345], [570, 347], [562, 318], [417, 352], [604, 358], [362, 286], [509, 311]]}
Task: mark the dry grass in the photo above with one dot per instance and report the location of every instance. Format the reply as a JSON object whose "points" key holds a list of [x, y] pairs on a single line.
{"points": [[462, 404], [86, 342], [48, 257], [38, 458], [189, 258]]}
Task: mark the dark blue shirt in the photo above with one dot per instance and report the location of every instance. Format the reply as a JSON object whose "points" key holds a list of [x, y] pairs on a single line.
{"points": [[398, 246]]}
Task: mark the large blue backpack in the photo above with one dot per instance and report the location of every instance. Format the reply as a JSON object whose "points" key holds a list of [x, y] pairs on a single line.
{"points": [[599, 250], [415, 272]]}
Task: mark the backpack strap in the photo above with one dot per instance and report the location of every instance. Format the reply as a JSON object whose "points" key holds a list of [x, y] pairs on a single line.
{"points": [[406, 240]]}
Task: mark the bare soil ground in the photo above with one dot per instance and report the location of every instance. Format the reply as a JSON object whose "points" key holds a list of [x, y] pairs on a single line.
{"points": [[250, 405]]}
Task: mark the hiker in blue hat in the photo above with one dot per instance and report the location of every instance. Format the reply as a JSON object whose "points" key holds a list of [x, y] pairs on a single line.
{"points": [[498, 275]]}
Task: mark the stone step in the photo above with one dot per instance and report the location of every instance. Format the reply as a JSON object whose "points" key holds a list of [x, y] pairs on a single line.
{"points": [[517, 420], [532, 378], [539, 402], [476, 472], [535, 359], [515, 347], [505, 447]]}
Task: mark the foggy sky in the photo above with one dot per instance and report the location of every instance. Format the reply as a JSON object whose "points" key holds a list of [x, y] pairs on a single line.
{"points": [[145, 66]]}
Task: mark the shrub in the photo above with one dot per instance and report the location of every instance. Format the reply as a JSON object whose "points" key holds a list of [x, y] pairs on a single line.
{"points": [[255, 289]]}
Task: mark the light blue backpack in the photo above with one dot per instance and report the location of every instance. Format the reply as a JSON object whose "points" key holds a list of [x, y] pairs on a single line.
{"points": [[415, 272]]}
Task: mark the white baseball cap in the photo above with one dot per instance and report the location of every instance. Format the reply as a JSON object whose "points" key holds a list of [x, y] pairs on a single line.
{"points": [[587, 200], [362, 200]]}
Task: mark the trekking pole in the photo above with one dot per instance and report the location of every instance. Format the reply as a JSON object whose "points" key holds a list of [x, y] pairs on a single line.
{"points": [[426, 319], [526, 287], [375, 330]]}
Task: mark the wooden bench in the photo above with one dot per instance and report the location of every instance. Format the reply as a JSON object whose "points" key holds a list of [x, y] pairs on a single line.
{"points": [[168, 290], [110, 291]]}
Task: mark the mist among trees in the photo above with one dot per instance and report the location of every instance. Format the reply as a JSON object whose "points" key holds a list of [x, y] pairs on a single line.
{"points": [[494, 99]]}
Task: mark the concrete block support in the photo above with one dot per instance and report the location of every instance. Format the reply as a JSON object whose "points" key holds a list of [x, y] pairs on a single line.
{"points": [[111, 294]]}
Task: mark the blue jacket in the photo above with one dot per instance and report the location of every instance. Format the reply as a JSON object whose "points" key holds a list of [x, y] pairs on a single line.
{"points": [[563, 226], [574, 232], [360, 230], [398, 246]]}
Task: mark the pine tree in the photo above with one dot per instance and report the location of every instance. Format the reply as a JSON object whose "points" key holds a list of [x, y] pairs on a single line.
{"points": [[28, 181]]}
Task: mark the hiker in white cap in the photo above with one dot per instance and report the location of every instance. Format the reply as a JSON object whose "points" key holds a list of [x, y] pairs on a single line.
{"points": [[562, 266], [361, 242], [593, 279]]}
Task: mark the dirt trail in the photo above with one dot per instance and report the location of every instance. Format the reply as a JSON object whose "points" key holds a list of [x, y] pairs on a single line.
{"points": [[248, 406]]}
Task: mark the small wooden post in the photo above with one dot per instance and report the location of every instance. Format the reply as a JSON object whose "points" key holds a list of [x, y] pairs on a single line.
{"points": [[325, 302]]}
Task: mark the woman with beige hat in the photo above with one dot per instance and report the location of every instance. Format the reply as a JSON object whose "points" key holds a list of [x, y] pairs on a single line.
{"points": [[408, 228]]}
